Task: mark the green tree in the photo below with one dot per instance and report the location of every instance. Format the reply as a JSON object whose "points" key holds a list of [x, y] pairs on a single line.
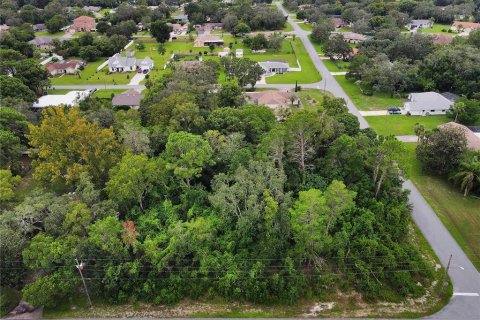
{"points": [[132, 179], [240, 29], [33, 75], [13, 87], [89, 53], [8, 183], [465, 111], [230, 95], [187, 155], [322, 29], [66, 145], [56, 23], [161, 49], [160, 31], [467, 176], [50, 289], [337, 47]]}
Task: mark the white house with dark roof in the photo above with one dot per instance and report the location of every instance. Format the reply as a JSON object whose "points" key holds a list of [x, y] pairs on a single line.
{"points": [[427, 103], [128, 63], [272, 66]]}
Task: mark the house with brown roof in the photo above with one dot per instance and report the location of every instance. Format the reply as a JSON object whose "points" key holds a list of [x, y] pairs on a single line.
{"points": [[339, 22], [271, 99], [442, 38], [39, 27], [130, 98], [206, 40], [465, 27], [352, 37], [64, 67], [84, 23], [473, 141]]}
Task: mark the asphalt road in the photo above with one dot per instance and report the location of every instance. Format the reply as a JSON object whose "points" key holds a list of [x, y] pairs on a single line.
{"points": [[465, 303]]}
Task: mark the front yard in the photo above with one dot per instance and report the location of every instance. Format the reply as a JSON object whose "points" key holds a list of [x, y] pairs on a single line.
{"points": [[377, 101], [336, 65], [402, 125], [438, 28]]}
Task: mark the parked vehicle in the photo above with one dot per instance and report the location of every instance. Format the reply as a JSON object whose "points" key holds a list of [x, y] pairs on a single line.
{"points": [[394, 110]]}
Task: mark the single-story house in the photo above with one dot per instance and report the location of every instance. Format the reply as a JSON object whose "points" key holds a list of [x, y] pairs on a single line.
{"points": [[352, 37], [273, 66], [181, 18], [71, 98], [464, 27], [208, 27], [130, 98], [339, 22], [39, 27], [421, 23], [427, 103], [206, 40], [239, 53], [473, 141], [442, 38], [84, 23], [64, 67], [272, 99], [119, 63], [42, 42]]}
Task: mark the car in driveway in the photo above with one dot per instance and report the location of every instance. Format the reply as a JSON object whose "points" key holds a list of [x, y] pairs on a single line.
{"points": [[394, 110]]}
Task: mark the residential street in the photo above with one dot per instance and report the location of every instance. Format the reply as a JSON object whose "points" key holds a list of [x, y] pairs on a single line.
{"points": [[465, 304]]}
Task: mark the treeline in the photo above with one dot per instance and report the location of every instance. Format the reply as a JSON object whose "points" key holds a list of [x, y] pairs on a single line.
{"points": [[197, 194], [368, 16]]}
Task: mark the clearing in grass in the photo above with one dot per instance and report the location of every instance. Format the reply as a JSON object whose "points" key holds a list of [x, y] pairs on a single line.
{"points": [[402, 125], [377, 101]]}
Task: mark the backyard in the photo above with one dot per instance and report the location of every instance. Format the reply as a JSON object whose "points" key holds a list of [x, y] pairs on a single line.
{"points": [[402, 125], [459, 214], [438, 28], [310, 98], [377, 101]]}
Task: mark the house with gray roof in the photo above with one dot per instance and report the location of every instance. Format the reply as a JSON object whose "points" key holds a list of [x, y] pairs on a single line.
{"points": [[119, 63], [427, 103], [274, 66], [130, 98]]}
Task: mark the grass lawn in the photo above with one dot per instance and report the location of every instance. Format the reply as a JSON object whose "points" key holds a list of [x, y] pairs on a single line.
{"points": [[48, 34], [344, 29], [287, 28], [402, 125], [107, 94], [306, 26], [377, 101], [336, 65], [309, 73], [459, 214], [59, 91], [89, 75], [318, 46], [438, 28], [310, 98]]}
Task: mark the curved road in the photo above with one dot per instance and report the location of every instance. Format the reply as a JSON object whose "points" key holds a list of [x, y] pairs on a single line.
{"points": [[465, 303]]}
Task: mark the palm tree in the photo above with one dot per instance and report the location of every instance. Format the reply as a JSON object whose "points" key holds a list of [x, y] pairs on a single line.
{"points": [[419, 130], [457, 109], [469, 173]]}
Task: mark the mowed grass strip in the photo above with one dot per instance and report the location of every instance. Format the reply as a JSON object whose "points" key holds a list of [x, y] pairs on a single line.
{"points": [[377, 101], [459, 214], [309, 73], [402, 125]]}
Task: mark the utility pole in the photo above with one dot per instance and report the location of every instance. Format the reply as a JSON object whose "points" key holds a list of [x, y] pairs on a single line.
{"points": [[80, 267]]}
